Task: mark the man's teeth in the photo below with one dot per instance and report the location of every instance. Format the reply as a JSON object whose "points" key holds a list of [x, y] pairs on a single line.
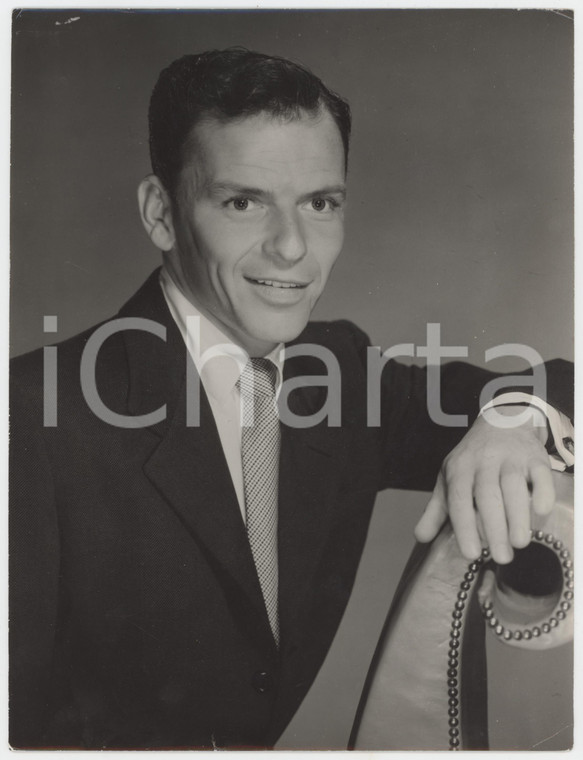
{"points": [[274, 284]]}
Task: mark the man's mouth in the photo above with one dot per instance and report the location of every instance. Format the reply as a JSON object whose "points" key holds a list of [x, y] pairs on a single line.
{"points": [[277, 283]]}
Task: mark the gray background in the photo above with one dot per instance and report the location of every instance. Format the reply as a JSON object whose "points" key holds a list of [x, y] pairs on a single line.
{"points": [[460, 180], [460, 212]]}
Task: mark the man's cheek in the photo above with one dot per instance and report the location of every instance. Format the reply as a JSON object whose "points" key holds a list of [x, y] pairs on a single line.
{"points": [[328, 266]]}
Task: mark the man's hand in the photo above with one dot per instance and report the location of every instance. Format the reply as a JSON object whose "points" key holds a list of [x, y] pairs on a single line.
{"points": [[486, 485]]}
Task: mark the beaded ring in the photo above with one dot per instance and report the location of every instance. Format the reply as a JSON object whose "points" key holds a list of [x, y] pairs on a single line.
{"points": [[559, 614]]}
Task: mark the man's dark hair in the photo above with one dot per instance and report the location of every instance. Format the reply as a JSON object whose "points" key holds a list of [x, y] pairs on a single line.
{"points": [[225, 85]]}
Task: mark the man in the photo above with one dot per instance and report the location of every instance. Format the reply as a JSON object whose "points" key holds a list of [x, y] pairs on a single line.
{"points": [[181, 558]]}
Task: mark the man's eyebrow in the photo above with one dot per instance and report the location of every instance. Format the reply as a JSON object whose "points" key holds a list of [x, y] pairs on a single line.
{"points": [[235, 188], [329, 190]]}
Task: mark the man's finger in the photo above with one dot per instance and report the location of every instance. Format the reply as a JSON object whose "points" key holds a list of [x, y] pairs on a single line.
{"points": [[460, 505], [490, 506], [516, 498], [481, 531], [434, 516], [543, 490]]}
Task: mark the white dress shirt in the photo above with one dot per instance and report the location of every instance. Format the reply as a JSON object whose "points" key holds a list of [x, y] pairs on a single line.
{"points": [[219, 363], [560, 427]]}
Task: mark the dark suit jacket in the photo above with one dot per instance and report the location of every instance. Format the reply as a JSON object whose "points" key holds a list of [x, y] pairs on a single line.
{"points": [[136, 613]]}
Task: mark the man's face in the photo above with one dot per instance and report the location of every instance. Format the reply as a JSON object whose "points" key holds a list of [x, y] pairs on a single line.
{"points": [[259, 224]]}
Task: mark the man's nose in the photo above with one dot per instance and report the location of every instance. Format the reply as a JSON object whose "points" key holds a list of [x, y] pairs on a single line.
{"points": [[286, 237]]}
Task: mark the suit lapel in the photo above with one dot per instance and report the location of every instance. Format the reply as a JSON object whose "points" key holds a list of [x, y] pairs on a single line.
{"points": [[188, 466], [189, 469], [309, 471]]}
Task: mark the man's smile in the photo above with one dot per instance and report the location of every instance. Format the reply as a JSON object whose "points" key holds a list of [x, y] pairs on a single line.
{"points": [[277, 283]]}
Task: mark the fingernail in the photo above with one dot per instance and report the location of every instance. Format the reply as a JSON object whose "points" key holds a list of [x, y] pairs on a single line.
{"points": [[502, 553], [474, 550], [520, 540]]}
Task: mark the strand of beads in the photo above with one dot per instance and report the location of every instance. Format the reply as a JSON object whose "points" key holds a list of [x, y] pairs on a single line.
{"points": [[559, 613], [455, 638], [563, 605]]}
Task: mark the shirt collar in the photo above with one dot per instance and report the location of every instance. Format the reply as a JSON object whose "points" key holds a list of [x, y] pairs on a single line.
{"points": [[218, 360]]}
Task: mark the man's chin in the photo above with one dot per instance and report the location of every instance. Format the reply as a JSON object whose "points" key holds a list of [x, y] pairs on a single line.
{"points": [[279, 328], [289, 333]]}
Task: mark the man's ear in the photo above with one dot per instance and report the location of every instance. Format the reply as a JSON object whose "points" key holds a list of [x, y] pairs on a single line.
{"points": [[156, 212]]}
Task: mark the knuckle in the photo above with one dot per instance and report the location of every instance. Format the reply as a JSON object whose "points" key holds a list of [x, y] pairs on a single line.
{"points": [[491, 513], [512, 470], [488, 493], [541, 468], [447, 465], [454, 473]]}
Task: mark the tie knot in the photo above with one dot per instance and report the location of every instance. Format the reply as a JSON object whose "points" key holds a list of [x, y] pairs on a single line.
{"points": [[258, 378]]}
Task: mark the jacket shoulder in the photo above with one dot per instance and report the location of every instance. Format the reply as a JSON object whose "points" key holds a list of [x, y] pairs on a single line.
{"points": [[56, 370], [28, 369], [338, 334]]}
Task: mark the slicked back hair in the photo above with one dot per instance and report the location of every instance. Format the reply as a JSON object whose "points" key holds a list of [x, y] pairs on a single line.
{"points": [[226, 85]]}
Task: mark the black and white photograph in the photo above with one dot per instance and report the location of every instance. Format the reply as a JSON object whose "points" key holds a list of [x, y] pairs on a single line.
{"points": [[291, 382]]}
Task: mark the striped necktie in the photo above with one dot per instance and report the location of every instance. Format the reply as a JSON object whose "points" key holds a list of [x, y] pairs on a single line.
{"points": [[260, 456]]}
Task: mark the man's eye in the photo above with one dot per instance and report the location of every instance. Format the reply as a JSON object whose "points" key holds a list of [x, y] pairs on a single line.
{"points": [[241, 204], [323, 205]]}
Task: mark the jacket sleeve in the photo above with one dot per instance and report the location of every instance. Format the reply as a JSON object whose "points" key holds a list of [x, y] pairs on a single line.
{"points": [[413, 445], [34, 571]]}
